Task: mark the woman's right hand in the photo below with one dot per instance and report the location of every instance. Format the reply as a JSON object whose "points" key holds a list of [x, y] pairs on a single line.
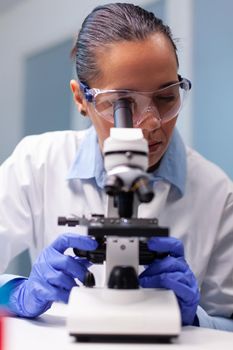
{"points": [[52, 277]]}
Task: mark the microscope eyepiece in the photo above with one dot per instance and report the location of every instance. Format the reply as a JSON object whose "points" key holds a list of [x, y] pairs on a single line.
{"points": [[123, 113]]}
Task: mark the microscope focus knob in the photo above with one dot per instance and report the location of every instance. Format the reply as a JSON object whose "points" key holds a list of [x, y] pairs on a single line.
{"points": [[123, 277], [113, 185], [89, 279]]}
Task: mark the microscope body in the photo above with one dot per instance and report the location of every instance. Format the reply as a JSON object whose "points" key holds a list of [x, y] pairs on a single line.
{"points": [[126, 161], [121, 310]]}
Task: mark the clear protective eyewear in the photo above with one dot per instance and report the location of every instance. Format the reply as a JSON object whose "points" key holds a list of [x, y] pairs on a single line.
{"points": [[164, 103]]}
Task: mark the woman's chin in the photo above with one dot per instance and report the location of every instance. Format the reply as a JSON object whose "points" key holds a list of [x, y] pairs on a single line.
{"points": [[156, 152]]}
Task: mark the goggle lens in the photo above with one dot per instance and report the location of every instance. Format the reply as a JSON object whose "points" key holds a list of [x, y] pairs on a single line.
{"points": [[165, 103]]}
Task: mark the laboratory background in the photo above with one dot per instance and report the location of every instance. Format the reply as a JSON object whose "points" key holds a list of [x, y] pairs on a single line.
{"points": [[36, 38]]}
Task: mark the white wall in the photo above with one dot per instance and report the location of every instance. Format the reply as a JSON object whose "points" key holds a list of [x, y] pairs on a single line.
{"points": [[25, 29], [179, 16]]}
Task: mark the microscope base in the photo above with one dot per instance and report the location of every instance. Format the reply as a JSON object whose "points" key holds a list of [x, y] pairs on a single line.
{"points": [[138, 315]]}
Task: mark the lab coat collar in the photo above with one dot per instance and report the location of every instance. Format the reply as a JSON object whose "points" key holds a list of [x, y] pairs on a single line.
{"points": [[89, 163]]}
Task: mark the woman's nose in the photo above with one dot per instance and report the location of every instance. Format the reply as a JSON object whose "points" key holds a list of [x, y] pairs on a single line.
{"points": [[150, 119]]}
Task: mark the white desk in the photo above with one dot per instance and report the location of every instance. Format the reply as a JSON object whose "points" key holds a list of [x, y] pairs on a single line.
{"points": [[49, 332]]}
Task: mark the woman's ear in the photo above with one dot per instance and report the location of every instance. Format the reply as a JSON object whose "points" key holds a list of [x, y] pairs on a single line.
{"points": [[78, 97]]}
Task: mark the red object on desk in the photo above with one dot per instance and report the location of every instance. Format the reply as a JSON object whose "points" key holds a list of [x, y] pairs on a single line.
{"points": [[1, 333]]}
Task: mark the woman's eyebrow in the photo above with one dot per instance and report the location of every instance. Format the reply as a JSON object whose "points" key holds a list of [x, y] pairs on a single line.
{"points": [[168, 84]]}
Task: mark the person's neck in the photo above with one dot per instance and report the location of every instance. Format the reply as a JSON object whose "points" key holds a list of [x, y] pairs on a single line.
{"points": [[152, 168]]}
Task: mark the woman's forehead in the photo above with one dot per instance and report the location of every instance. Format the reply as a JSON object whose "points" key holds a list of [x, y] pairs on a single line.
{"points": [[128, 64]]}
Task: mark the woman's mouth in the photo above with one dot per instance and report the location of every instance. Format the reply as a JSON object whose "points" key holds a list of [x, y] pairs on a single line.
{"points": [[155, 146]]}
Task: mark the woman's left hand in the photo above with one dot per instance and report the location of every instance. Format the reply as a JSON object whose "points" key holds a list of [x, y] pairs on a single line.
{"points": [[173, 272]]}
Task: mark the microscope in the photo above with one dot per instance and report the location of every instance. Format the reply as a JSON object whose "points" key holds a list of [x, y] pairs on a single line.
{"points": [[121, 310]]}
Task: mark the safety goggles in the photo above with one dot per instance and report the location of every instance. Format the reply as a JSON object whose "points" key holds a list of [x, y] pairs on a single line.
{"points": [[164, 104]]}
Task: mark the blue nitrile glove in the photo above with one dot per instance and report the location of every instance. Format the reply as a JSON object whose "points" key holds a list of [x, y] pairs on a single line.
{"points": [[52, 276], [173, 272]]}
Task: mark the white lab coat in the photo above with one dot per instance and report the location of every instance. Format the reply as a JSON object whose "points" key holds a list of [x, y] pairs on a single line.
{"points": [[34, 191]]}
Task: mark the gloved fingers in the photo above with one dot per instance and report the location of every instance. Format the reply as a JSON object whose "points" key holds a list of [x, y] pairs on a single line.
{"points": [[83, 261], [190, 279], [162, 280], [184, 292], [159, 281], [167, 264], [166, 244], [182, 278], [49, 293], [62, 295], [72, 240], [61, 280], [76, 268], [150, 282], [52, 265]]}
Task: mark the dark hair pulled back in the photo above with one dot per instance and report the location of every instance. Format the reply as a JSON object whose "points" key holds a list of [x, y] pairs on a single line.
{"points": [[112, 23]]}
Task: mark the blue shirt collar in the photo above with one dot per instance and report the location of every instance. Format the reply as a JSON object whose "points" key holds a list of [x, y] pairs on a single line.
{"points": [[89, 163], [173, 166]]}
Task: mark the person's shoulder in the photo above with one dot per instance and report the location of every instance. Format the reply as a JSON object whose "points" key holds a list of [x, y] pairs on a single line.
{"points": [[53, 139], [50, 145]]}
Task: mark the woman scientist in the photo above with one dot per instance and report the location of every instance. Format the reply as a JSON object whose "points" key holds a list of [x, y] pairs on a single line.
{"points": [[122, 50]]}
